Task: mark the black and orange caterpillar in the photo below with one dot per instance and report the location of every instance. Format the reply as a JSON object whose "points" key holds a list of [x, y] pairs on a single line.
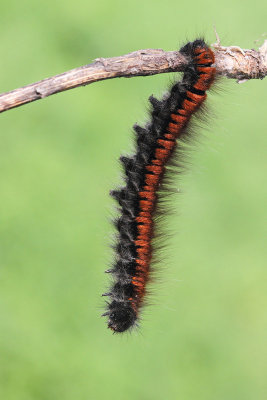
{"points": [[155, 145]]}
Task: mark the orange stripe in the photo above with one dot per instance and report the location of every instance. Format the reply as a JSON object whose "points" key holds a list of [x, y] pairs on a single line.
{"points": [[148, 196]]}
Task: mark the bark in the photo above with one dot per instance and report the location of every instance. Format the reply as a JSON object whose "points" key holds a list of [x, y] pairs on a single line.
{"points": [[232, 62]]}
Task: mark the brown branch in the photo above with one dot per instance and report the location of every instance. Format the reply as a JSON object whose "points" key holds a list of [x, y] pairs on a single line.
{"points": [[232, 62]]}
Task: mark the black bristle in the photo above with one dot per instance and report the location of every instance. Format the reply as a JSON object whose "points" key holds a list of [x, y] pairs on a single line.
{"points": [[105, 314], [128, 163], [140, 131], [156, 104]]}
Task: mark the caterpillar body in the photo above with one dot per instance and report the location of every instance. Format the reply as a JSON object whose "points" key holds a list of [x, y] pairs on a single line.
{"points": [[144, 172]]}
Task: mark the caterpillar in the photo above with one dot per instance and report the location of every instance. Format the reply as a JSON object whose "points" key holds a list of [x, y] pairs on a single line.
{"points": [[144, 173]]}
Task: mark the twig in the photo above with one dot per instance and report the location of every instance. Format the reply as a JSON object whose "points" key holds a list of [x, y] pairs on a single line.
{"points": [[232, 62]]}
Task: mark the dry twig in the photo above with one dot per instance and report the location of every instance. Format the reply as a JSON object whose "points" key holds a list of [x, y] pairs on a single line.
{"points": [[232, 62]]}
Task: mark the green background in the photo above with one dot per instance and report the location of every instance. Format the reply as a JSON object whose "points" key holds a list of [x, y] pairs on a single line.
{"points": [[204, 335]]}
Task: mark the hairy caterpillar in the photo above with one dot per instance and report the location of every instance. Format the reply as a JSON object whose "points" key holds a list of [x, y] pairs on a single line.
{"points": [[155, 145]]}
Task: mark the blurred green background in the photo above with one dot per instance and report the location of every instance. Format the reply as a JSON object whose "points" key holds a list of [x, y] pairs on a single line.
{"points": [[204, 336]]}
